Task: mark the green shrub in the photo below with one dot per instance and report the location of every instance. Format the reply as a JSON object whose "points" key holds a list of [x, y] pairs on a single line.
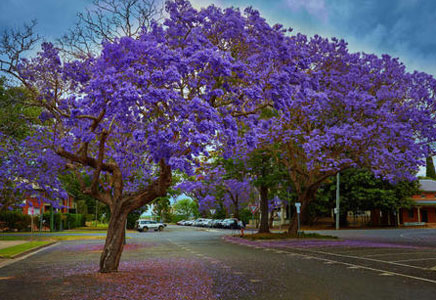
{"points": [[14, 221], [17, 221]]}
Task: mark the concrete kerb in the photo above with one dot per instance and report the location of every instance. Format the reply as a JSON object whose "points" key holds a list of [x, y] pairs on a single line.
{"points": [[27, 254]]}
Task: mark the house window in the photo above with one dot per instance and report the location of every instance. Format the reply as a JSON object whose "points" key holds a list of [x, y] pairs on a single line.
{"points": [[423, 196], [411, 213]]}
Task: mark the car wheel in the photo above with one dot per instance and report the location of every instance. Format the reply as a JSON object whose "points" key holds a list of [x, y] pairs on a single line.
{"points": [[145, 229], [160, 228]]}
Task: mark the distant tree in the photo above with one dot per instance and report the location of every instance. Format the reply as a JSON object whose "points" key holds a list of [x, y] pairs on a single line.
{"points": [[430, 170], [17, 115], [186, 207], [360, 190]]}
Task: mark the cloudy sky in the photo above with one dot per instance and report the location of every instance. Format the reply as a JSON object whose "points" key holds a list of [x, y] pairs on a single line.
{"points": [[401, 28]]}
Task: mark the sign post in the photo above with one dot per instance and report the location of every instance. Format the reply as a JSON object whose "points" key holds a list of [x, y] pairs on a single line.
{"points": [[212, 211], [32, 212], [297, 206], [253, 208]]}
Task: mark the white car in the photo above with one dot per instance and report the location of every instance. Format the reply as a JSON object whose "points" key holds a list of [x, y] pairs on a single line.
{"points": [[145, 225]]}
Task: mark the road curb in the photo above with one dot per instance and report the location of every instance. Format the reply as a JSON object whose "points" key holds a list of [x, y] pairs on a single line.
{"points": [[27, 254], [29, 251]]}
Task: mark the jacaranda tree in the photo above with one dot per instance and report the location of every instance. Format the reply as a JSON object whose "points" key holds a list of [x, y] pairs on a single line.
{"points": [[147, 106], [353, 110]]}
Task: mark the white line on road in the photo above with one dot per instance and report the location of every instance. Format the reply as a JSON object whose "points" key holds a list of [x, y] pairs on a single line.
{"points": [[374, 269], [415, 259], [401, 253], [365, 258]]}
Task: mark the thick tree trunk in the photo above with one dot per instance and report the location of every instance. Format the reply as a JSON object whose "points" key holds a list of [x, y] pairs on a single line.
{"points": [[113, 247], [263, 228], [271, 220], [236, 204], [304, 199], [120, 208]]}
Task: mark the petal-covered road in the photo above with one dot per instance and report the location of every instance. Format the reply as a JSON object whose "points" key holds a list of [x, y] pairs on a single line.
{"points": [[191, 263]]}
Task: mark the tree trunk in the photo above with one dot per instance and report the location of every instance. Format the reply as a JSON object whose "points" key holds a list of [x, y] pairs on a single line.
{"points": [[113, 247], [236, 204], [271, 220], [304, 199], [263, 228]]}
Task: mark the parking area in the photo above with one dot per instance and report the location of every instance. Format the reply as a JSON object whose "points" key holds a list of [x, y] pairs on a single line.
{"points": [[405, 253]]}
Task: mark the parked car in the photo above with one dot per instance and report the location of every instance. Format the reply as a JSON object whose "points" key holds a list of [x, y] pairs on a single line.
{"points": [[207, 223], [188, 223], [232, 224], [198, 222], [145, 225], [218, 223]]}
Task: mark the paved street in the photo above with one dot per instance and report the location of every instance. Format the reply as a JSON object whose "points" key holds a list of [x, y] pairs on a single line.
{"points": [[192, 263]]}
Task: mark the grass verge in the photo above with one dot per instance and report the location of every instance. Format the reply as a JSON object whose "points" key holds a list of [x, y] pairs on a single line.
{"points": [[13, 251], [4, 237], [285, 236]]}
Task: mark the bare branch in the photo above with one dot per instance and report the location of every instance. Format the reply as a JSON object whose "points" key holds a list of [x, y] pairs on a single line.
{"points": [[14, 43], [106, 21]]}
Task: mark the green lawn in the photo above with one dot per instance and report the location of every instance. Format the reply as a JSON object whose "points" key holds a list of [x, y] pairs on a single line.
{"points": [[5, 237], [15, 250]]}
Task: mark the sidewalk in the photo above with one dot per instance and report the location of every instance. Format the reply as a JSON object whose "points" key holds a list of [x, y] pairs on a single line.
{"points": [[7, 244]]}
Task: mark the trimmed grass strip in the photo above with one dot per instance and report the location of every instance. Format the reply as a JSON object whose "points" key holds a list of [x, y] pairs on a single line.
{"points": [[13, 251]]}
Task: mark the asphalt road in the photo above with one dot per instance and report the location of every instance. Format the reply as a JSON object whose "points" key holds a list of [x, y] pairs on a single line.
{"points": [[374, 264]]}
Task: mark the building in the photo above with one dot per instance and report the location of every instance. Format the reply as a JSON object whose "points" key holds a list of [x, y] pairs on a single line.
{"points": [[34, 207], [423, 209]]}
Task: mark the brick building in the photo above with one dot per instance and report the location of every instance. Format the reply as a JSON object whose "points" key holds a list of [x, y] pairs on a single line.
{"points": [[32, 204], [424, 207]]}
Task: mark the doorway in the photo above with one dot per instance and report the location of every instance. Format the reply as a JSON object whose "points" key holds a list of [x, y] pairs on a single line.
{"points": [[424, 216]]}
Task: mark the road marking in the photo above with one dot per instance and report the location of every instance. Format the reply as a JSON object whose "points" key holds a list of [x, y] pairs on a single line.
{"points": [[377, 270], [401, 253], [386, 274], [238, 273], [365, 258], [353, 267], [279, 251], [329, 263], [254, 280], [415, 259], [433, 268]]}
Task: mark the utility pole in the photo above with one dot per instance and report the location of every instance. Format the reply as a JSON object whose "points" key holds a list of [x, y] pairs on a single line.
{"points": [[51, 218], [96, 207], [337, 201]]}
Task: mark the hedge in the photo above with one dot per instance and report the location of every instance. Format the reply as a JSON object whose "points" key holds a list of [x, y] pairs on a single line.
{"points": [[17, 221]]}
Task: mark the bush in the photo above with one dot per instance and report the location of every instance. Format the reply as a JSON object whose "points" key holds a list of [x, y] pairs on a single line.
{"points": [[15, 221], [177, 218]]}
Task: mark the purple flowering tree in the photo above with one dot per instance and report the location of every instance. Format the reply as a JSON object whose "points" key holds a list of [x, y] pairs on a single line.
{"points": [[352, 110], [147, 106], [213, 189]]}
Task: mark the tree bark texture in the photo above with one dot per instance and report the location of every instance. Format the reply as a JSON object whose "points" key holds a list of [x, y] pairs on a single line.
{"points": [[304, 199], [120, 208], [113, 247], [263, 228]]}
